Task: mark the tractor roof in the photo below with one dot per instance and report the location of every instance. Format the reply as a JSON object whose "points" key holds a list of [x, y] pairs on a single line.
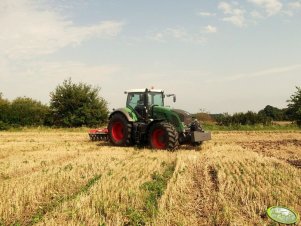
{"points": [[143, 90]]}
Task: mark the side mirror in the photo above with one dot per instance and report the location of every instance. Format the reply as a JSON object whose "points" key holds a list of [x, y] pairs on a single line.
{"points": [[173, 95]]}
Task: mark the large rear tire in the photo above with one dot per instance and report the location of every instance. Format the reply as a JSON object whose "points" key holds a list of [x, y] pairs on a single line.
{"points": [[120, 130], [163, 135]]}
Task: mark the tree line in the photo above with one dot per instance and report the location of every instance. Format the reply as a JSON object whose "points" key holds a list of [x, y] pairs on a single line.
{"points": [[76, 105], [265, 116], [71, 105]]}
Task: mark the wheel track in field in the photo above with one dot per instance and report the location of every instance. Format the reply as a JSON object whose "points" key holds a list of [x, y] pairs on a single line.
{"points": [[127, 170], [48, 207], [228, 186], [31, 218]]}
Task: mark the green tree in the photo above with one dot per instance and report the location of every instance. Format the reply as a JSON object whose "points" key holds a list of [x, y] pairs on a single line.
{"points": [[74, 105], [4, 109], [4, 113], [223, 119], [274, 113], [294, 106], [240, 118], [25, 111]]}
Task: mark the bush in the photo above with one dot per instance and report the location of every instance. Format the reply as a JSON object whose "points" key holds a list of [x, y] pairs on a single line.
{"points": [[25, 111], [74, 105], [4, 126], [4, 109], [294, 106], [274, 113], [249, 118]]}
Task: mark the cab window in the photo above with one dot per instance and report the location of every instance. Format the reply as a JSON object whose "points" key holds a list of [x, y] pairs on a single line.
{"points": [[135, 99], [155, 99]]}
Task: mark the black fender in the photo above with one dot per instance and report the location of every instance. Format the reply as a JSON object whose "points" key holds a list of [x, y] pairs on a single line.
{"points": [[123, 112]]}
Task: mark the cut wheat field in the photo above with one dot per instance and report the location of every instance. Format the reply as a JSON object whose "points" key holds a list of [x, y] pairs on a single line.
{"points": [[59, 177]]}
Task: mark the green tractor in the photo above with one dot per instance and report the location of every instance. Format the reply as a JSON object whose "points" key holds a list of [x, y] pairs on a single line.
{"points": [[146, 121]]}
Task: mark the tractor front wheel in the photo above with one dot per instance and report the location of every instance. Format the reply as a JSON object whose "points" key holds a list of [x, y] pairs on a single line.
{"points": [[119, 130], [163, 135]]}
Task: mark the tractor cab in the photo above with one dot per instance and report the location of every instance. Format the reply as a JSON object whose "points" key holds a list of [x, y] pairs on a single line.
{"points": [[142, 101]]}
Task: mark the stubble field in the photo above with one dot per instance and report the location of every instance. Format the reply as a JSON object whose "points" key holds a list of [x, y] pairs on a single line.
{"points": [[59, 177]]}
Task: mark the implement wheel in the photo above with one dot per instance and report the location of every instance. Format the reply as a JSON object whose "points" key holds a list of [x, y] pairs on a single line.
{"points": [[163, 135], [119, 130]]}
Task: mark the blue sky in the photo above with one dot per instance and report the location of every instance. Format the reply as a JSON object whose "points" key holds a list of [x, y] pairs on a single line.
{"points": [[220, 56]]}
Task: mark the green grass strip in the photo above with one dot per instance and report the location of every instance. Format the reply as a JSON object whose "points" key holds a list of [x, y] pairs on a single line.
{"points": [[154, 189], [258, 127], [38, 216]]}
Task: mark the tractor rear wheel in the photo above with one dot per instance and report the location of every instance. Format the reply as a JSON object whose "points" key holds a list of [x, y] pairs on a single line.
{"points": [[119, 130], [163, 135]]}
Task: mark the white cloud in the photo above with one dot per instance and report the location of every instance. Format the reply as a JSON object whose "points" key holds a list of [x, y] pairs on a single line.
{"points": [[28, 30], [294, 5], [206, 14], [159, 36], [210, 29], [234, 14], [178, 34], [271, 7], [291, 8], [226, 7], [170, 33], [287, 13], [257, 15]]}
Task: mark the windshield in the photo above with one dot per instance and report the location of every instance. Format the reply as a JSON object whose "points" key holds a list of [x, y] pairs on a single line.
{"points": [[155, 99], [135, 99]]}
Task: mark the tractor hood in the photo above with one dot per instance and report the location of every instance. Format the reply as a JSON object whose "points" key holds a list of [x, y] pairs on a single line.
{"points": [[183, 115]]}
